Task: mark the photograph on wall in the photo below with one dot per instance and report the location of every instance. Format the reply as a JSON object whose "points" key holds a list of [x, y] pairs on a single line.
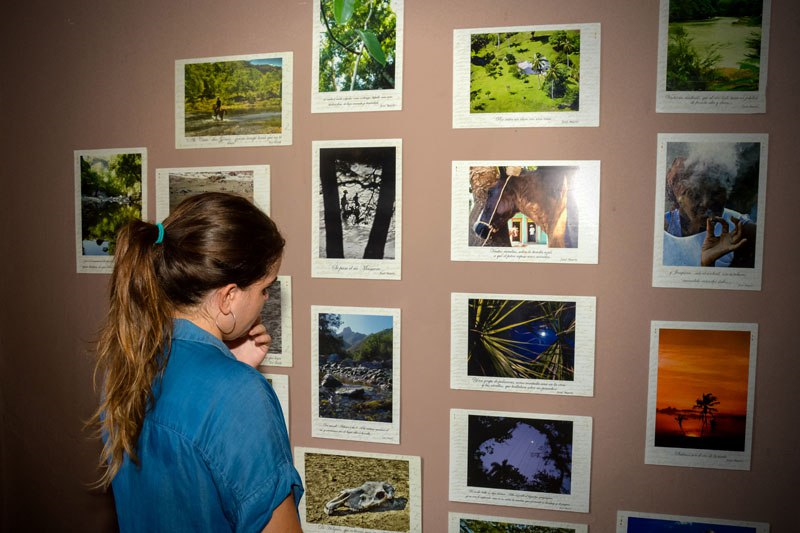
{"points": [[529, 211], [234, 101], [709, 214], [357, 56], [276, 315], [520, 459], [349, 491], [527, 76], [474, 523], [522, 343], [634, 522], [355, 373], [280, 384], [356, 209], [701, 394], [174, 185], [110, 191], [712, 56]]}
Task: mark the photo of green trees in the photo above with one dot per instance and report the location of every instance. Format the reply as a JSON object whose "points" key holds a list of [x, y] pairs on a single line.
{"points": [[714, 45], [239, 97], [110, 197], [357, 47], [525, 71]]}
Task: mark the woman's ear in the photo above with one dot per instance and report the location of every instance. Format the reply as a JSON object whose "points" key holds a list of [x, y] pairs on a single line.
{"points": [[225, 296]]}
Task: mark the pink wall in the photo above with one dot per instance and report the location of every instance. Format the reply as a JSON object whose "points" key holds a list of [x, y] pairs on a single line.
{"points": [[83, 74]]}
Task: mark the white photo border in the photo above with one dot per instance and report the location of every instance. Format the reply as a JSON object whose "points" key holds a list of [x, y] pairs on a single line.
{"points": [[346, 429], [90, 264], [587, 197], [583, 381], [694, 457], [284, 138], [357, 101], [322, 267], [587, 116], [698, 277], [261, 184], [577, 501]]}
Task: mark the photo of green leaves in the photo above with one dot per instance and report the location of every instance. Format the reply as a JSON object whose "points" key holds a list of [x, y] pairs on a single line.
{"points": [[357, 48]]}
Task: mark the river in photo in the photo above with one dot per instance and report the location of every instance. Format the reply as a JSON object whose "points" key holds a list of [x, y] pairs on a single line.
{"points": [[235, 122]]}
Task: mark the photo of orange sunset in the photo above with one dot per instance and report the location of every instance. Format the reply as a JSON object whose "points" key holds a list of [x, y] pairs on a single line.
{"points": [[701, 395]]}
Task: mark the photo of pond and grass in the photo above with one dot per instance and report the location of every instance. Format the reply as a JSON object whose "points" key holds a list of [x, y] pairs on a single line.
{"points": [[111, 196], [525, 339], [232, 98], [714, 46], [530, 71], [523, 454], [356, 366]]}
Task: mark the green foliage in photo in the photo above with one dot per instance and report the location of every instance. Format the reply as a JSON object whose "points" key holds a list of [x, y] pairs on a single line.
{"points": [[357, 49], [525, 72]]}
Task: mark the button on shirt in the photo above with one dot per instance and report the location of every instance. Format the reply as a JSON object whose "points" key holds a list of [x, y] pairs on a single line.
{"points": [[213, 451]]}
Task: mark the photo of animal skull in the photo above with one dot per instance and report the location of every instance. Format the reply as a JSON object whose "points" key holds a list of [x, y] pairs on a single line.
{"points": [[370, 495]]}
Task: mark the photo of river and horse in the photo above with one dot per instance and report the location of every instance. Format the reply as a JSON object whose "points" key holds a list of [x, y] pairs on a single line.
{"points": [[110, 197], [714, 45], [356, 366], [233, 98], [523, 339], [702, 390], [527, 71]]}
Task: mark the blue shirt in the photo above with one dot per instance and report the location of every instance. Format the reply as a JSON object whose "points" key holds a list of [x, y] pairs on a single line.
{"points": [[213, 451]]}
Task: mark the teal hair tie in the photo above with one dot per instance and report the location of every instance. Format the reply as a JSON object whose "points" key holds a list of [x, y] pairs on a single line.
{"points": [[160, 237]]}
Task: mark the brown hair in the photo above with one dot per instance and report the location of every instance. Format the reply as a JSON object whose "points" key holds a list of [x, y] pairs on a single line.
{"points": [[210, 240]]}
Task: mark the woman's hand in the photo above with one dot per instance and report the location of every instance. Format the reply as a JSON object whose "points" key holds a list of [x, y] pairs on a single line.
{"points": [[714, 246], [252, 347]]}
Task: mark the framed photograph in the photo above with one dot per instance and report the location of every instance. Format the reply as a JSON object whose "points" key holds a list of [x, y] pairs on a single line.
{"points": [[356, 209], [349, 491], [527, 76], [173, 185], [357, 56], [355, 373], [522, 343], [712, 56], [234, 101], [701, 394], [280, 384], [110, 191], [710, 208], [472, 523], [520, 459], [276, 315], [632, 522], [525, 211]]}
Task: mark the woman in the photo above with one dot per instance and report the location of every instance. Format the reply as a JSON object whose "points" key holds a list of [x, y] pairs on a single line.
{"points": [[194, 438]]}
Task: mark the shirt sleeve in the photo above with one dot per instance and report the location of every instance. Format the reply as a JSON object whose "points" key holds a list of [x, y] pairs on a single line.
{"points": [[255, 471]]}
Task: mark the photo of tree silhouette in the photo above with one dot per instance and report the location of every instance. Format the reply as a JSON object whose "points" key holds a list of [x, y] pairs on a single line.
{"points": [[525, 339], [358, 189], [701, 400], [522, 454]]}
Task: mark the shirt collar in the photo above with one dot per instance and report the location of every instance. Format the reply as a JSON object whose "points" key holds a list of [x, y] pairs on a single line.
{"points": [[185, 330]]}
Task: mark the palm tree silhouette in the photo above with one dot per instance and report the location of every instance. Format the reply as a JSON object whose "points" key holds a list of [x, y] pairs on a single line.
{"points": [[705, 405], [680, 418]]}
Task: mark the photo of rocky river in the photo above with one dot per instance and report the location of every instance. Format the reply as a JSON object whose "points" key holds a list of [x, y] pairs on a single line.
{"points": [[355, 367]]}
